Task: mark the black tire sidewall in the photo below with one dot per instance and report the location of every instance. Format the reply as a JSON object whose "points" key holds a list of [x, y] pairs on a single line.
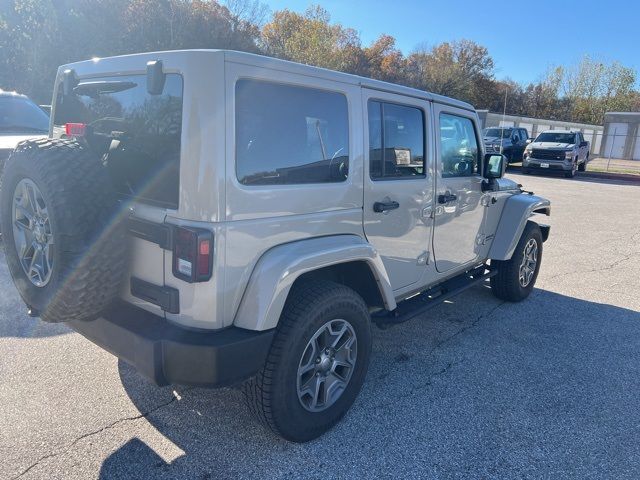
{"points": [[35, 297], [89, 249], [294, 422]]}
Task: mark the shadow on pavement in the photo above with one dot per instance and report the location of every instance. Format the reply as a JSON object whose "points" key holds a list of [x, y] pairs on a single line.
{"points": [[14, 321], [523, 385]]}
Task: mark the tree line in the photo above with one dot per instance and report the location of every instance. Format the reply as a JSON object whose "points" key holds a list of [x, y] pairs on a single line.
{"points": [[38, 35]]}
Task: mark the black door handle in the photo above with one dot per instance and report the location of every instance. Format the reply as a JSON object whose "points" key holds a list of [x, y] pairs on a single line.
{"points": [[447, 197], [384, 206]]}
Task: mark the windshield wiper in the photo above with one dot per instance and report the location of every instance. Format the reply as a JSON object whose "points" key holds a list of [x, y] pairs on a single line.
{"points": [[91, 89]]}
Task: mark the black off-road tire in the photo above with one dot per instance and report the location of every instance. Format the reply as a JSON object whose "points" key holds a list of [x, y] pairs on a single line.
{"points": [[272, 394], [582, 167], [506, 283], [89, 240], [572, 173]]}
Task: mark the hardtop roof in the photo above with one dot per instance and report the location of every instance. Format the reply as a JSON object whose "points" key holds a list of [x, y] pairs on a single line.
{"points": [[282, 65]]}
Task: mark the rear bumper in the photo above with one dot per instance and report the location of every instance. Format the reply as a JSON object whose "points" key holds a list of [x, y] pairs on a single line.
{"points": [[167, 353]]}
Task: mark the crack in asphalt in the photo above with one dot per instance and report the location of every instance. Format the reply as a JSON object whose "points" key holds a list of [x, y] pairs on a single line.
{"points": [[69, 446], [611, 266], [417, 387]]}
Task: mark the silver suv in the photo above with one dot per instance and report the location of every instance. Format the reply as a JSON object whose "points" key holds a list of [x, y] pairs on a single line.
{"points": [[213, 217]]}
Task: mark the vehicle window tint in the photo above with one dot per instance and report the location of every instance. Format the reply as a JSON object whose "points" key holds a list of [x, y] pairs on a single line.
{"points": [[396, 141], [516, 137], [136, 134], [290, 135], [525, 133], [458, 146]]}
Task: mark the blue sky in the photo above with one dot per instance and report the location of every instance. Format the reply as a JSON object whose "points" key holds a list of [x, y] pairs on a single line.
{"points": [[524, 42]]}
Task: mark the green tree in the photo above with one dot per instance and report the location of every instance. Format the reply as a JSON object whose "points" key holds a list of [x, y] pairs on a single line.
{"points": [[458, 69], [311, 38]]}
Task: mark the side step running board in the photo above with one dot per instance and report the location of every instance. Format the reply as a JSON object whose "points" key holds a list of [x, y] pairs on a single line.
{"points": [[419, 304]]}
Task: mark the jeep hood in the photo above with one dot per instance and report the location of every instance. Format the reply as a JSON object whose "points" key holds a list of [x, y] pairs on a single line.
{"points": [[551, 145]]}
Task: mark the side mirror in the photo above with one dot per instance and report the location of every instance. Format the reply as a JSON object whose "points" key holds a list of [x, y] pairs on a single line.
{"points": [[528, 141], [494, 165], [155, 77], [583, 144]]}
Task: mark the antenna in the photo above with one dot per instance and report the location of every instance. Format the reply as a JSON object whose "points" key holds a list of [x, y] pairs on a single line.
{"points": [[504, 113]]}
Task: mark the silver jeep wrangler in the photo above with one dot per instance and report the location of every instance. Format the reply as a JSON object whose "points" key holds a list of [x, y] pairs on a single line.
{"points": [[213, 217]]}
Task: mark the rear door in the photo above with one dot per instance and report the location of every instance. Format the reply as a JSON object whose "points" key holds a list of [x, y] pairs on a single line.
{"points": [[138, 136], [398, 192], [459, 212]]}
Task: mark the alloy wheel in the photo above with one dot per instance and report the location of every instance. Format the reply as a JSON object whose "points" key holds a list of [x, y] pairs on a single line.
{"points": [[529, 262], [32, 233], [327, 365]]}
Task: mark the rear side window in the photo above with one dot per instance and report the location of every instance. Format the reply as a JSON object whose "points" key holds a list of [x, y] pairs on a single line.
{"points": [[396, 141], [136, 134], [459, 153], [287, 134]]}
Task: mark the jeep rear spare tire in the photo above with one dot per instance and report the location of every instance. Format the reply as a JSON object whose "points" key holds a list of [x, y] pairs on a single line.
{"points": [[64, 243]]}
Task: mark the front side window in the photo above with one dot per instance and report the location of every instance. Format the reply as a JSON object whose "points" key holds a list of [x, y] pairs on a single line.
{"points": [[458, 146], [136, 134], [290, 135], [396, 141]]}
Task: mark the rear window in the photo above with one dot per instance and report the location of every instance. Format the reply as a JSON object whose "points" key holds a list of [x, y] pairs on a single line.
{"points": [[137, 134], [290, 135]]}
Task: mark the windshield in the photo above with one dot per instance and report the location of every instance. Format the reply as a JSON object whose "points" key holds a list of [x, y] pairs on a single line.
{"points": [[497, 132], [21, 115], [556, 137]]}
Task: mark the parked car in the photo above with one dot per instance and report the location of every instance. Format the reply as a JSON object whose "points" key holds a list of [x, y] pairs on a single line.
{"points": [[228, 217], [557, 150], [20, 119], [509, 141]]}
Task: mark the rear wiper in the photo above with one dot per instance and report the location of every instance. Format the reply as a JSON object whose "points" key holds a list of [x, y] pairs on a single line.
{"points": [[91, 89]]}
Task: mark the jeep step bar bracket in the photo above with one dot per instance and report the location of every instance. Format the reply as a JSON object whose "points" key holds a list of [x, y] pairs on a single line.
{"points": [[419, 304]]}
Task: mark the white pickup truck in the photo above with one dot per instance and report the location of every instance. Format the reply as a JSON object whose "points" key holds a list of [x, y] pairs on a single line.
{"points": [[559, 150]]}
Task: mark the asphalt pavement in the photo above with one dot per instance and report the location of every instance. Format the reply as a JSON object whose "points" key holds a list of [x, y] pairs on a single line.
{"points": [[477, 388]]}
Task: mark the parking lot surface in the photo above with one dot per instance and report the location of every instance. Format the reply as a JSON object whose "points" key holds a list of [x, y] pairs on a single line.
{"points": [[547, 388]]}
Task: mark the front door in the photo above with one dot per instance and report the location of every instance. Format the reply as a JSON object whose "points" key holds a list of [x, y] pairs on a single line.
{"points": [[398, 191], [459, 211]]}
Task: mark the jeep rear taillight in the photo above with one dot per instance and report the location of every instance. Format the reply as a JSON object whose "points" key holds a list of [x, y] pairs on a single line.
{"points": [[75, 129], [192, 254]]}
